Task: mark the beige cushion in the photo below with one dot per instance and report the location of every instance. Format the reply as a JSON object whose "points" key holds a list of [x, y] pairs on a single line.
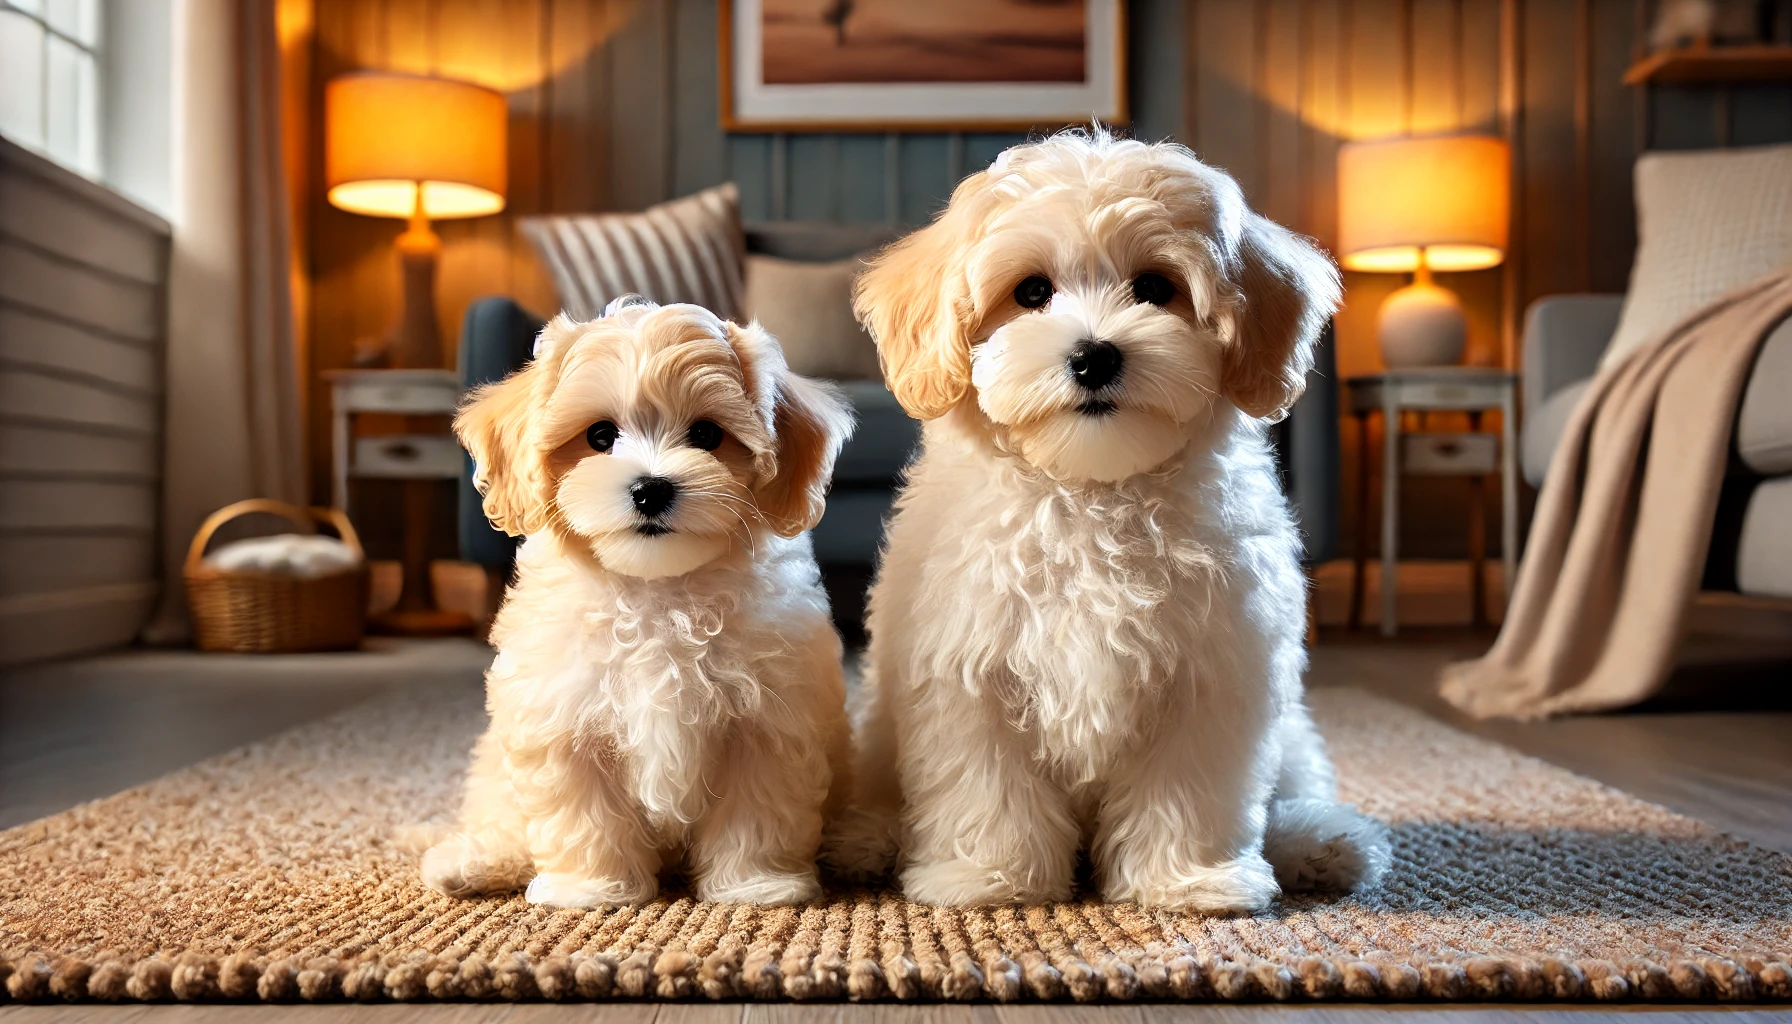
{"points": [[1764, 427], [808, 308], [1764, 554], [1707, 222]]}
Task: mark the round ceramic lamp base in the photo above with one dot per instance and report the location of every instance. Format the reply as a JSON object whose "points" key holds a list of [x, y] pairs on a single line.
{"points": [[1422, 325]]}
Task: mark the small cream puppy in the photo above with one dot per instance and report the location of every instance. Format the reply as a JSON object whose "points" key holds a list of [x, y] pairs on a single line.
{"points": [[668, 681], [1087, 630]]}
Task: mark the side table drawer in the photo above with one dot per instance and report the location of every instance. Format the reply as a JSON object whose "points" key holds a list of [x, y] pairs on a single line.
{"points": [[407, 457], [417, 396], [1454, 454]]}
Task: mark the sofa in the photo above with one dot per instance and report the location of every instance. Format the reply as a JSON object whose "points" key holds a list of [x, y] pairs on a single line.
{"points": [[498, 335], [1751, 545]]}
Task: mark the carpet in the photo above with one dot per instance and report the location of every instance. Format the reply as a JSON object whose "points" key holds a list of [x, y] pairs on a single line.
{"points": [[281, 871]]}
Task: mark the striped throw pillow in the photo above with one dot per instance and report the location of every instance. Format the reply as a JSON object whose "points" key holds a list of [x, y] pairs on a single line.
{"points": [[685, 250]]}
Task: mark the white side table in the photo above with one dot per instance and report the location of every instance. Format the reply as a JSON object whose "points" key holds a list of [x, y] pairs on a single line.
{"points": [[417, 458], [1470, 389]]}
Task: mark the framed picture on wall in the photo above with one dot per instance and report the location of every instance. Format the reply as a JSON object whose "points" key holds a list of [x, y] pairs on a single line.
{"points": [[927, 65]]}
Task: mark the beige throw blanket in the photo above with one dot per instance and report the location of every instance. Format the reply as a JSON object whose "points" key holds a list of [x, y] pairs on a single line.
{"points": [[1624, 521]]}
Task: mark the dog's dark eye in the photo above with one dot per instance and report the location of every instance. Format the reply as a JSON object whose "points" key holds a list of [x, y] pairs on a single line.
{"points": [[601, 436], [705, 435], [1153, 288], [1034, 292]]}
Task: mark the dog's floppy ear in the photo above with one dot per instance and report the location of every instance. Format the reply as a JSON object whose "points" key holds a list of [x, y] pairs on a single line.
{"points": [[1289, 290], [494, 427], [811, 421], [914, 300]]}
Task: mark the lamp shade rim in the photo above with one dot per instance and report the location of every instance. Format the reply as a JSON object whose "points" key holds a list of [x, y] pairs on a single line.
{"points": [[1445, 256]]}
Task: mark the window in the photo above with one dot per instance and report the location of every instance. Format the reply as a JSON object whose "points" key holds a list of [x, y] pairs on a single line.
{"points": [[49, 79]]}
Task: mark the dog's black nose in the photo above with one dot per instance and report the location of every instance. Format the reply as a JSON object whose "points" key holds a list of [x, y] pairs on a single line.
{"points": [[653, 495], [1095, 364]]}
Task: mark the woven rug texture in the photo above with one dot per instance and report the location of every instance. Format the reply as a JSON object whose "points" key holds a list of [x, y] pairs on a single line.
{"points": [[283, 871]]}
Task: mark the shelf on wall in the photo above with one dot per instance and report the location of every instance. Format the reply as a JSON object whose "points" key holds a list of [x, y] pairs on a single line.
{"points": [[1713, 65]]}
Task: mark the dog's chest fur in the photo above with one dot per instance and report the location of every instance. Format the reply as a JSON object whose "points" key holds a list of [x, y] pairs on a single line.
{"points": [[1079, 606], [650, 674]]}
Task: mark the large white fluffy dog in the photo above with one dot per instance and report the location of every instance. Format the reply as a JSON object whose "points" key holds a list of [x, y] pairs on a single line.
{"points": [[668, 681], [1088, 626]]}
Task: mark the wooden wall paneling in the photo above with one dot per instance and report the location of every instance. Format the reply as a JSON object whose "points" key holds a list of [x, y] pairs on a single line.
{"points": [[701, 146], [1613, 147], [1322, 117], [863, 188], [1278, 31], [750, 168], [1479, 74], [1511, 128], [1227, 112], [893, 177], [779, 173], [812, 177], [1157, 54], [1553, 248], [981, 149], [638, 107], [575, 170], [1437, 88], [1379, 68], [926, 177], [528, 54]]}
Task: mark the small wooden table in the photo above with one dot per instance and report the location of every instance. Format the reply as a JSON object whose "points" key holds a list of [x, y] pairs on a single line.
{"points": [[416, 458], [1470, 389]]}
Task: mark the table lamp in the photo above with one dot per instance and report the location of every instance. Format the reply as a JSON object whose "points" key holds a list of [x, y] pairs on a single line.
{"points": [[422, 149], [1415, 206]]}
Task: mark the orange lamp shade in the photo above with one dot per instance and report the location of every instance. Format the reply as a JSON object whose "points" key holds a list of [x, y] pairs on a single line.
{"points": [[1444, 200], [392, 139]]}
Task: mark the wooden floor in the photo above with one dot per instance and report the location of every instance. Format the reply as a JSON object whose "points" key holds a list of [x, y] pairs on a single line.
{"points": [[1717, 746]]}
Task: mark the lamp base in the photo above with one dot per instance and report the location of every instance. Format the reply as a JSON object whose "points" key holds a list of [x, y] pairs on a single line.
{"points": [[1422, 325], [416, 340]]}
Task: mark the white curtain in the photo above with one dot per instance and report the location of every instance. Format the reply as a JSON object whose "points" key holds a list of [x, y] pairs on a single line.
{"points": [[232, 427]]}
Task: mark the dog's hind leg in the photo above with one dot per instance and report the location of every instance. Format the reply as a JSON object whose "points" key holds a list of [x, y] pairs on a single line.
{"points": [[1314, 842]]}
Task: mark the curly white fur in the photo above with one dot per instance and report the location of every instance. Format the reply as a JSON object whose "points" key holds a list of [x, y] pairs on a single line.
{"points": [[660, 692], [1087, 627]]}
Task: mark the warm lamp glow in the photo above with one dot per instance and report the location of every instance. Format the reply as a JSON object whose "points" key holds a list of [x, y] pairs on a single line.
{"points": [[387, 136], [1445, 197]]}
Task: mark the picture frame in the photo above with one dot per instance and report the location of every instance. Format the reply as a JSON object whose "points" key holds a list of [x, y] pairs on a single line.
{"points": [[1052, 99]]}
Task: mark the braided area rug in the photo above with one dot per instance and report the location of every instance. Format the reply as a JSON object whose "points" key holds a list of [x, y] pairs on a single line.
{"points": [[281, 872]]}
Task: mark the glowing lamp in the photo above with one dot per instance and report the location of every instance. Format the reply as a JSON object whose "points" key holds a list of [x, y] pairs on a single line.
{"points": [[1416, 206], [421, 149]]}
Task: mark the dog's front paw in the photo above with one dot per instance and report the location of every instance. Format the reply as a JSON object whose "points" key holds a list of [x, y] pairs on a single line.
{"points": [[575, 892], [960, 883], [463, 866], [1242, 886], [1321, 845], [771, 889]]}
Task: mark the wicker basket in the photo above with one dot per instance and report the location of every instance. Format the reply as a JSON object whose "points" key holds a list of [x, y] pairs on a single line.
{"points": [[274, 613]]}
